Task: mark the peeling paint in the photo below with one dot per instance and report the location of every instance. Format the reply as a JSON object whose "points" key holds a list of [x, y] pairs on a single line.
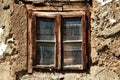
{"points": [[102, 2], [1, 30], [2, 48], [112, 21]]}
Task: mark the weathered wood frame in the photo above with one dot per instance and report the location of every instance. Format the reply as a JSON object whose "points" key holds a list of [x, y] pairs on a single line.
{"points": [[30, 41], [48, 2], [42, 1], [83, 57], [34, 44], [59, 54]]}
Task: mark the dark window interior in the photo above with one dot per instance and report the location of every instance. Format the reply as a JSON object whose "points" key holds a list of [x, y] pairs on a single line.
{"points": [[72, 29], [45, 28], [45, 44], [72, 41]]}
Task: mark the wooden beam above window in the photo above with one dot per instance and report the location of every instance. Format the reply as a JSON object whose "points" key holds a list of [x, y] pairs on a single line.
{"points": [[57, 1], [81, 7], [53, 0]]}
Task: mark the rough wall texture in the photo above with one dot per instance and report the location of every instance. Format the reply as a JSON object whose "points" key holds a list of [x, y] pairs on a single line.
{"points": [[13, 24], [105, 44]]}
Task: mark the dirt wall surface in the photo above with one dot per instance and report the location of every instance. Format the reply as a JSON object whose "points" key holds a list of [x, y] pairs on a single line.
{"points": [[13, 23], [105, 44]]}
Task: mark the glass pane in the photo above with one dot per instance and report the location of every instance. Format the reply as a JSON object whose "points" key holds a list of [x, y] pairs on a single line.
{"points": [[72, 29], [72, 54], [45, 53], [45, 28]]}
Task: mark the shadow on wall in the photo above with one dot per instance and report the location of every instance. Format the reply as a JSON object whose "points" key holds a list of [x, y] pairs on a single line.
{"points": [[19, 74]]}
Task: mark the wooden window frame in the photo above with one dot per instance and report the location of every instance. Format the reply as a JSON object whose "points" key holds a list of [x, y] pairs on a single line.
{"points": [[34, 43], [59, 53], [88, 1], [83, 65], [59, 1]]}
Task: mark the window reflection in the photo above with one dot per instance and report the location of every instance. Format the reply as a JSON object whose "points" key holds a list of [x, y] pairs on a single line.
{"points": [[72, 29], [45, 53], [45, 28]]}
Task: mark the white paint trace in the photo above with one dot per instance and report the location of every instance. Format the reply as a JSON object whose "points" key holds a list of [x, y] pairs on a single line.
{"points": [[2, 45], [102, 2], [1, 30], [112, 21], [2, 48]]}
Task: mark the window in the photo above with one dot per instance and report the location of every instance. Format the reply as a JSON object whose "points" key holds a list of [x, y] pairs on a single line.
{"points": [[57, 41], [45, 41]]}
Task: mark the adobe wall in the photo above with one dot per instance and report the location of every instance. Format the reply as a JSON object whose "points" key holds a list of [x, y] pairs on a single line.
{"points": [[105, 44]]}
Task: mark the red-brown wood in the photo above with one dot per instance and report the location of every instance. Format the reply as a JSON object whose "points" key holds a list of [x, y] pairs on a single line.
{"points": [[35, 42], [58, 38], [58, 34], [88, 36], [84, 42], [34, 39], [1, 1], [30, 35]]}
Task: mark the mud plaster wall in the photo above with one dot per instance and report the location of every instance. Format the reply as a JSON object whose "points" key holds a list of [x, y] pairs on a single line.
{"points": [[105, 44], [13, 24]]}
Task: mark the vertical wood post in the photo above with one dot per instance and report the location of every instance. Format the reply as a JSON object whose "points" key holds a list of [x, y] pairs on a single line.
{"points": [[88, 36], [84, 42], [30, 41], [58, 41]]}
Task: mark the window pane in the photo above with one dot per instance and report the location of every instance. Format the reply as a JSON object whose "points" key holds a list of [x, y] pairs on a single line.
{"points": [[72, 54], [45, 53], [72, 29], [45, 28]]}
